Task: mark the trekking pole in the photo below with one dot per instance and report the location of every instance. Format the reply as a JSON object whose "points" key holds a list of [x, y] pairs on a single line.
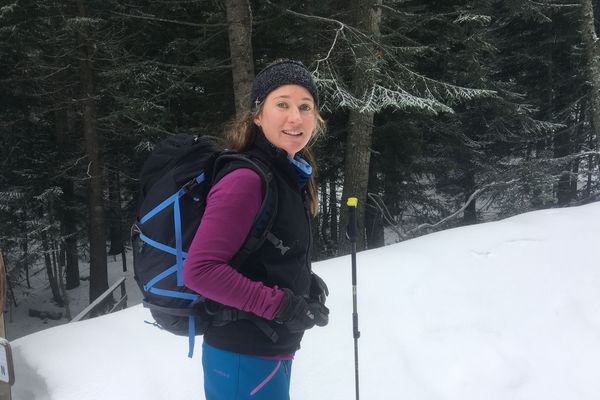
{"points": [[352, 204]]}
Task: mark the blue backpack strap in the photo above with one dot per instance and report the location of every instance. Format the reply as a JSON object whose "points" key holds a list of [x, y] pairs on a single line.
{"points": [[191, 313], [178, 242], [191, 335], [179, 254]]}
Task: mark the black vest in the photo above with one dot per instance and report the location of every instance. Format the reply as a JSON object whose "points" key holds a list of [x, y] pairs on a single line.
{"points": [[283, 261]]}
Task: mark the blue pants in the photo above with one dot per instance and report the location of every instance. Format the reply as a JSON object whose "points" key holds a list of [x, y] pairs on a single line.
{"points": [[233, 376]]}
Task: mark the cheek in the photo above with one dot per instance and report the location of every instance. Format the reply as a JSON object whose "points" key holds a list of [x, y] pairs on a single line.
{"points": [[311, 124], [271, 120]]}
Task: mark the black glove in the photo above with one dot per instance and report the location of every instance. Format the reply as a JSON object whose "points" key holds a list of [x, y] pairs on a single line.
{"points": [[318, 289], [299, 314]]}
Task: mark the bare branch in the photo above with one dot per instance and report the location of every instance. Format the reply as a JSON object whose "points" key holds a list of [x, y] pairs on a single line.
{"points": [[393, 10], [472, 197], [64, 171], [555, 5], [307, 16], [154, 128], [337, 34], [170, 21], [377, 203]]}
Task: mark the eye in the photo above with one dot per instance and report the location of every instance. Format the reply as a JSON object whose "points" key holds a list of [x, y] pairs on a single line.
{"points": [[282, 104], [305, 107]]}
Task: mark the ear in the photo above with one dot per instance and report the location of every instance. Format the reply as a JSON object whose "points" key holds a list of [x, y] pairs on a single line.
{"points": [[257, 120]]}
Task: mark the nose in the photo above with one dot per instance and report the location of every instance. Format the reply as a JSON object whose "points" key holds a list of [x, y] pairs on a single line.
{"points": [[294, 115]]}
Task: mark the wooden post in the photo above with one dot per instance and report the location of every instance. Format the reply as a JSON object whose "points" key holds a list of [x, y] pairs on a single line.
{"points": [[4, 387]]}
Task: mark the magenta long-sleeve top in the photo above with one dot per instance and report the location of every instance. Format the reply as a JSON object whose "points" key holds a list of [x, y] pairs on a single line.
{"points": [[231, 207]]}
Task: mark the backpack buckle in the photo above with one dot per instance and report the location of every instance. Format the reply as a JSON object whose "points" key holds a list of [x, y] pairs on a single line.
{"points": [[228, 314], [193, 183], [188, 187]]}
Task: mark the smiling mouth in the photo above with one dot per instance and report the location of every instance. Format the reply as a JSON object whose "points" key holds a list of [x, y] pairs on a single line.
{"points": [[293, 133]]}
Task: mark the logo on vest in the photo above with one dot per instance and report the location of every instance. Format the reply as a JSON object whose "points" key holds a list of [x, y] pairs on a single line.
{"points": [[275, 241]]}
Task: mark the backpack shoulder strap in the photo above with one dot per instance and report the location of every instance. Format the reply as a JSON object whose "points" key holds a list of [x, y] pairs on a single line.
{"points": [[261, 227]]}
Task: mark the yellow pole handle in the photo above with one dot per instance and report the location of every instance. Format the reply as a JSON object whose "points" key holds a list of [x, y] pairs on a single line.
{"points": [[352, 202]]}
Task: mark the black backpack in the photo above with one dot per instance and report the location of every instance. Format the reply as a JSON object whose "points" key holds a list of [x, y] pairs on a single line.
{"points": [[174, 183]]}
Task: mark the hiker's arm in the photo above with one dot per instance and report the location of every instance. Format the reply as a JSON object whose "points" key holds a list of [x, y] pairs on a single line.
{"points": [[231, 207]]}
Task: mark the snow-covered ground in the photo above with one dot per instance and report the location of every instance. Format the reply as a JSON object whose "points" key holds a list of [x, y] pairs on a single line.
{"points": [[39, 297], [504, 310]]}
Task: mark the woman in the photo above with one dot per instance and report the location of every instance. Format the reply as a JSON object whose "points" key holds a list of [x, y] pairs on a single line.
{"points": [[275, 283]]}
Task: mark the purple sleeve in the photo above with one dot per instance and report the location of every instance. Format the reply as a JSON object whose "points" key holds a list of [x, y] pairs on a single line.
{"points": [[231, 207]]}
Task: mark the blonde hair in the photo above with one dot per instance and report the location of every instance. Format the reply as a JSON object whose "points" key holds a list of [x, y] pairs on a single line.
{"points": [[240, 134]]}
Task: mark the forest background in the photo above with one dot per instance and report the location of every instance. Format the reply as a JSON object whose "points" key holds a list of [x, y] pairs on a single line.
{"points": [[439, 113]]}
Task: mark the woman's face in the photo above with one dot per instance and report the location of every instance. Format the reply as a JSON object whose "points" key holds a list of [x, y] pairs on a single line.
{"points": [[288, 118]]}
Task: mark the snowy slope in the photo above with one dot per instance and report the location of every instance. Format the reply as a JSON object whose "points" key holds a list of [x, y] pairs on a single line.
{"points": [[504, 310]]}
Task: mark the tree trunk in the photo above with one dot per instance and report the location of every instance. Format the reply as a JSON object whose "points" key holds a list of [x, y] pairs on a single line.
{"points": [[61, 284], [373, 216], [54, 258], [367, 18], [3, 287], [562, 140], [97, 234], [574, 179], [590, 166], [592, 56], [324, 220], [124, 259], [579, 140], [356, 175], [69, 234], [66, 208], [239, 20], [25, 247], [333, 211], [470, 213], [52, 279], [546, 114], [115, 215], [537, 197], [563, 146]]}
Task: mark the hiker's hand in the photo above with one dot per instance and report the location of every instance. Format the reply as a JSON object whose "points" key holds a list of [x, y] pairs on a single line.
{"points": [[299, 315], [318, 289]]}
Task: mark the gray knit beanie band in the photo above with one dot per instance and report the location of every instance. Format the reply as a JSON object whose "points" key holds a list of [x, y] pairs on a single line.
{"points": [[279, 73]]}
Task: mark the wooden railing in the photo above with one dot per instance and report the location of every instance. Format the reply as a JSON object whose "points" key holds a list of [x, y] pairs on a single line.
{"points": [[100, 301]]}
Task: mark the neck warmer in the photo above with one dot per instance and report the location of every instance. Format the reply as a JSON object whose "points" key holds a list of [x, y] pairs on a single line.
{"points": [[303, 169]]}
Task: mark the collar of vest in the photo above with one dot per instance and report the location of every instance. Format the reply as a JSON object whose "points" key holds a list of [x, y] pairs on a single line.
{"points": [[276, 158], [263, 144]]}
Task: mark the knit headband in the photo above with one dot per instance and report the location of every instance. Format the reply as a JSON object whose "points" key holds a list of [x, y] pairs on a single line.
{"points": [[279, 73]]}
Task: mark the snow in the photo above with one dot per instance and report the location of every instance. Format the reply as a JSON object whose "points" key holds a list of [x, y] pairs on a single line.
{"points": [[503, 310], [39, 297]]}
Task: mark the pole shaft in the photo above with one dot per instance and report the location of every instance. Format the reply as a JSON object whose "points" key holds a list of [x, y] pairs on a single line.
{"points": [[352, 228], [356, 368]]}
